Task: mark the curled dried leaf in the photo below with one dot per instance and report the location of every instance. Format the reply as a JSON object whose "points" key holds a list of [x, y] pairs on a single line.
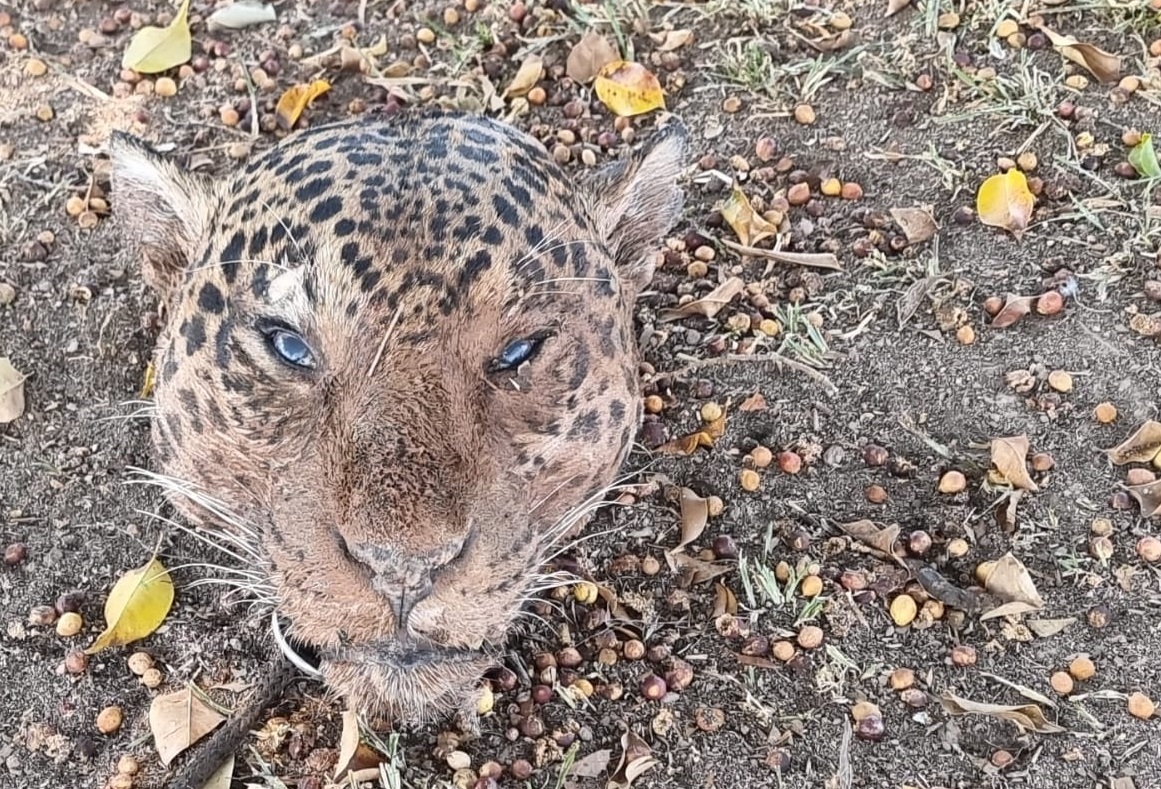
{"points": [[178, 720], [750, 226], [296, 99], [693, 571], [586, 59], [11, 391], [1105, 66], [1015, 307], [694, 517], [881, 539], [636, 759], [1141, 447], [529, 73], [917, 223], [1028, 717], [709, 305], [1009, 580], [1009, 457], [1148, 497]]}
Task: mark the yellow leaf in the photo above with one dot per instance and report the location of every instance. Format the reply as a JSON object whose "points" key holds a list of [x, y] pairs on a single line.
{"points": [[629, 88], [295, 100], [148, 381], [136, 607], [155, 49], [750, 226], [178, 720], [1005, 201]]}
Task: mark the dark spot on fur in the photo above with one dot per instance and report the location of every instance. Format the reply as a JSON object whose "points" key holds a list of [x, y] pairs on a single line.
{"points": [[210, 299]]}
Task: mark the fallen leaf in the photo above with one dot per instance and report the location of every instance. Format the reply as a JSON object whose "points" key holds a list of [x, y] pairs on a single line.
{"points": [[136, 607], [296, 99], [591, 54], [348, 742], [834, 42], [529, 73], [1009, 456], [628, 89], [917, 223], [824, 260], [709, 305], [636, 759], [695, 571], [1005, 201], [749, 226], [1102, 65], [1044, 628], [178, 720], [154, 49], [757, 661], [1015, 307], [11, 392], [592, 765], [1148, 496], [895, 6], [1143, 157], [755, 402], [881, 539], [1028, 717], [670, 40], [725, 601], [223, 777], [911, 300], [685, 445], [1009, 580], [240, 14], [616, 609], [1141, 447], [694, 517]]}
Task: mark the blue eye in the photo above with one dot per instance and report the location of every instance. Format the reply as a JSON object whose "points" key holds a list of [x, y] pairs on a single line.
{"points": [[515, 354], [292, 348]]}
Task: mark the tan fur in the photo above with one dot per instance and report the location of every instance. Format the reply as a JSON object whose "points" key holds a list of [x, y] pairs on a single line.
{"points": [[399, 495]]}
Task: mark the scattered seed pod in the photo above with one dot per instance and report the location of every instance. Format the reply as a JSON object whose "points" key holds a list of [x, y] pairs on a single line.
{"points": [[1105, 413], [724, 547], [810, 637], [963, 655], [491, 771], [654, 404], [811, 586], [851, 190], [1101, 527], [679, 676], [653, 687], [521, 770], [957, 548], [903, 610], [458, 760], [1101, 548], [782, 571], [119, 781], [874, 455], [1082, 668], [993, 305], [650, 565], [1141, 706], [919, 542], [952, 482], [1099, 617], [711, 412], [709, 719], [76, 662], [761, 456], [782, 650], [69, 624], [914, 697], [871, 728], [901, 678], [805, 114], [1139, 476], [15, 553], [633, 649], [585, 592], [128, 765], [152, 678], [109, 719], [1149, 548], [1060, 381], [965, 335], [755, 645], [1050, 303], [789, 462], [749, 480], [875, 494], [1061, 682], [1002, 759], [486, 700]]}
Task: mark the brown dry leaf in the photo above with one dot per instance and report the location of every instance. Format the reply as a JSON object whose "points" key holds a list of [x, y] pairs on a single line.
{"points": [[353, 754], [1009, 456], [695, 571], [1028, 717], [1015, 307], [669, 40], [725, 601], [757, 661], [591, 54], [616, 609], [881, 539], [895, 6], [592, 765], [1010, 581], [636, 759], [529, 73], [917, 223], [834, 42], [628, 89], [911, 300], [178, 720], [755, 402], [11, 391], [694, 517], [1004, 200], [1043, 628], [685, 445], [1148, 496], [1141, 447], [1104, 66], [747, 224], [296, 99], [223, 777], [709, 305]]}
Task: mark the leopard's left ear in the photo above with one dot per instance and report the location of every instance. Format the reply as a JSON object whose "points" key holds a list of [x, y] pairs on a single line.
{"points": [[636, 201]]}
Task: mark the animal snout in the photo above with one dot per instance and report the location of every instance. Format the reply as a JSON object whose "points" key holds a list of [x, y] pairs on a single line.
{"points": [[404, 578]]}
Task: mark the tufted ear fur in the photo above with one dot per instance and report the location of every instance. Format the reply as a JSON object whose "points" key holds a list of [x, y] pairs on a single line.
{"points": [[636, 201], [163, 209]]}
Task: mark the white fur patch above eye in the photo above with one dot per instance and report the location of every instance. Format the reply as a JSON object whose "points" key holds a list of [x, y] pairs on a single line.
{"points": [[287, 292]]}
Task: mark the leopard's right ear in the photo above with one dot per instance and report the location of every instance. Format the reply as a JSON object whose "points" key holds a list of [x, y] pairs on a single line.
{"points": [[164, 210]]}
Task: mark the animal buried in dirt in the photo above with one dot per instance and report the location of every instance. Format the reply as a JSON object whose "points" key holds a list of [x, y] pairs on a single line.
{"points": [[397, 367]]}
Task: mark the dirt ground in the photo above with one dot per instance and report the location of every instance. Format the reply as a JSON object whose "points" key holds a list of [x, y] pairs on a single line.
{"points": [[918, 109]]}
